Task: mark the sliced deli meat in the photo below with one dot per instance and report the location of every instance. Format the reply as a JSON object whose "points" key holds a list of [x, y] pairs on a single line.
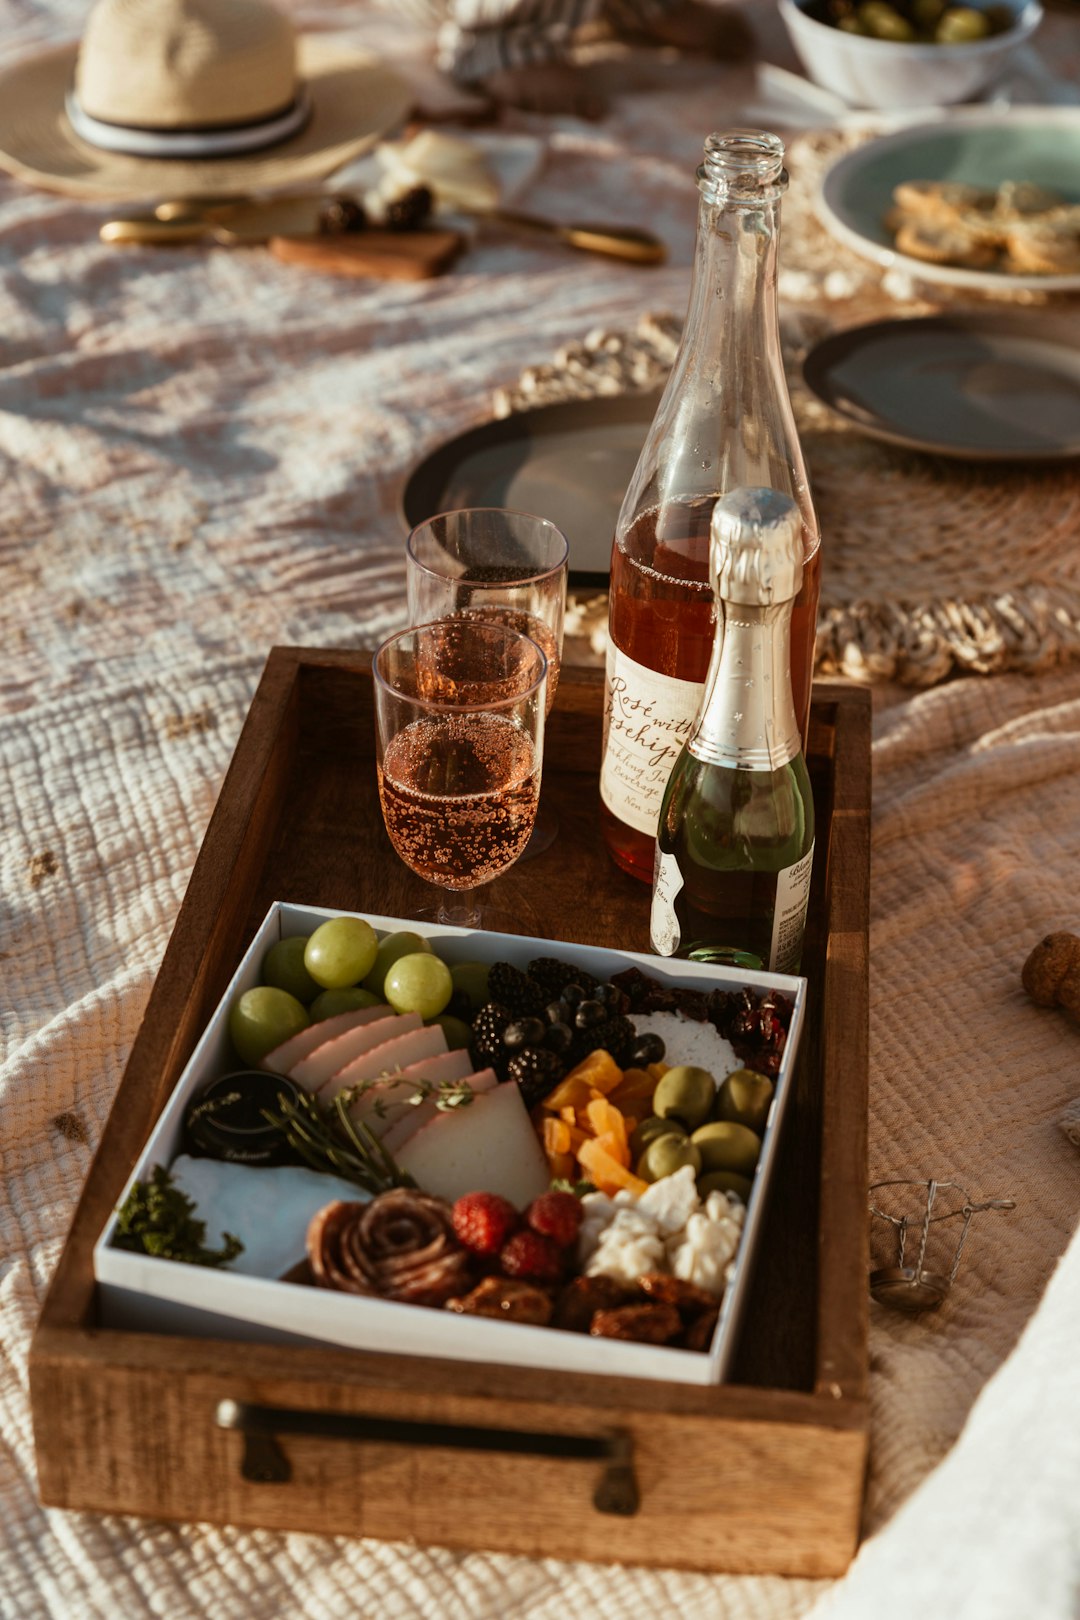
{"points": [[411, 1117], [386, 1099], [333, 1055], [389, 1058], [488, 1146], [300, 1046]]}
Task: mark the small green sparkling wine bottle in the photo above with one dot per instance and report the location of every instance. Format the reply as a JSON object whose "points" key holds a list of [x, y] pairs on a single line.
{"points": [[735, 840]]}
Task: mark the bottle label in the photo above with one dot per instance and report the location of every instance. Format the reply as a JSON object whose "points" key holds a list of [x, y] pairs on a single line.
{"points": [[789, 918], [664, 930], [647, 718]]}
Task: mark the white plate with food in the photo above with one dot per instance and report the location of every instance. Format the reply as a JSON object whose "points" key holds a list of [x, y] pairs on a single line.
{"points": [[986, 198]]}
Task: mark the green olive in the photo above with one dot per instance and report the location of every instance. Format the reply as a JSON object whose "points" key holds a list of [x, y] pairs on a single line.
{"points": [[960, 25], [724, 1181], [724, 1145], [685, 1093], [926, 14], [650, 1129], [883, 21], [746, 1098], [850, 25], [666, 1154]]}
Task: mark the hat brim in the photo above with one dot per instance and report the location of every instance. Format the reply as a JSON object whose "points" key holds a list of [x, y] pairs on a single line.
{"points": [[355, 99]]}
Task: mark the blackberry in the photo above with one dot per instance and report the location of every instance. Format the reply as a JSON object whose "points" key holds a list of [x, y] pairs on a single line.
{"points": [[553, 976], [487, 1028], [509, 986], [615, 1035], [407, 212], [536, 1072]]}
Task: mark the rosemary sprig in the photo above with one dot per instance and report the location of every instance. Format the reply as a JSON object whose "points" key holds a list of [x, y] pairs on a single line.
{"points": [[158, 1218], [332, 1141]]}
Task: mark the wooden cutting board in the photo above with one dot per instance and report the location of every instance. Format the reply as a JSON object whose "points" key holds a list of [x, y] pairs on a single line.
{"points": [[384, 255]]}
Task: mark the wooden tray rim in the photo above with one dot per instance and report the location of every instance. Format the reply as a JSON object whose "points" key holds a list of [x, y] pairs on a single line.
{"points": [[65, 1333]]}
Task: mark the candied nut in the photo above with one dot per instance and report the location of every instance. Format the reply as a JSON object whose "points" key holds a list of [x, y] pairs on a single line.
{"points": [[638, 1324], [699, 1333], [579, 1301], [505, 1299], [687, 1297], [1051, 974]]}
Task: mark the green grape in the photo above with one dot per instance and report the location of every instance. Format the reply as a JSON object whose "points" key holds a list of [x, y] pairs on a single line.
{"points": [[419, 983], [457, 1031], [341, 951], [263, 1018], [390, 950], [283, 967], [328, 1003], [471, 978]]}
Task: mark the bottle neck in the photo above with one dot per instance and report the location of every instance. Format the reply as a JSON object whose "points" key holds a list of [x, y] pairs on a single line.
{"points": [[747, 717], [732, 332]]}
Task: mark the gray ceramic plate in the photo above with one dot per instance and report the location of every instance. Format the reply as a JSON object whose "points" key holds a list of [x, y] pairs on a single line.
{"points": [[570, 463], [993, 387], [981, 146]]}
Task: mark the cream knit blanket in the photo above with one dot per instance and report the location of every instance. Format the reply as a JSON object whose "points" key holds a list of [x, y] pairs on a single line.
{"points": [[200, 454]]}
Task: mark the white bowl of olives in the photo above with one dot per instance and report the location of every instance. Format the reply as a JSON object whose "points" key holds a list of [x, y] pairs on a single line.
{"points": [[908, 53]]}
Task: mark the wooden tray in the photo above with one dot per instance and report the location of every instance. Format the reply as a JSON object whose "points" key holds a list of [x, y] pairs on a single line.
{"points": [[764, 1474]]}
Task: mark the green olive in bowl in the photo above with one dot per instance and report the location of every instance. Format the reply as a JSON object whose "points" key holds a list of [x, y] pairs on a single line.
{"points": [[724, 1145]]}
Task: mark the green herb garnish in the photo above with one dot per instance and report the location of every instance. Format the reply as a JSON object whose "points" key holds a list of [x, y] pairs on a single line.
{"points": [[157, 1218]]}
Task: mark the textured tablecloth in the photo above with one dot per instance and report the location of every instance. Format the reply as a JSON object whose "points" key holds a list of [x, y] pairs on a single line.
{"points": [[200, 455]]}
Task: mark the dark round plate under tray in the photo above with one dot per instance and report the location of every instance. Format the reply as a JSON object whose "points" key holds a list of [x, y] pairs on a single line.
{"points": [[569, 463]]}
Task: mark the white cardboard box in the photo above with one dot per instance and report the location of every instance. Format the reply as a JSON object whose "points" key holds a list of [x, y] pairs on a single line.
{"points": [[141, 1292]]}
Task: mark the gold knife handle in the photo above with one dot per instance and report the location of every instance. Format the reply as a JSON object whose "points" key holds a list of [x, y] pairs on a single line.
{"points": [[614, 241], [148, 231]]}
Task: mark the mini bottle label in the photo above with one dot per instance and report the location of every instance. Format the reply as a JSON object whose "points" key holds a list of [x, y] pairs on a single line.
{"points": [[647, 718], [789, 918], [664, 930]]}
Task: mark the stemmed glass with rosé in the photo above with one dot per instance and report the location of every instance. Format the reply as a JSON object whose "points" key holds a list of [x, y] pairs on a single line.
{"points": [[459, 706]]}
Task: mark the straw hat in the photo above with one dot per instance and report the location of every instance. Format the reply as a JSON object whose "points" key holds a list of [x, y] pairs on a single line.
{"points": [[175, 97]]}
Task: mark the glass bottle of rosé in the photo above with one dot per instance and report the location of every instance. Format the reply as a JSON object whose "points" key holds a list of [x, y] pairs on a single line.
{"points": [[724, 422]]}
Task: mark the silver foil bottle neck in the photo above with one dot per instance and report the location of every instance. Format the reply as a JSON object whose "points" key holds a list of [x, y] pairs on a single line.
{"points": [[747, 718], [756, 549]]}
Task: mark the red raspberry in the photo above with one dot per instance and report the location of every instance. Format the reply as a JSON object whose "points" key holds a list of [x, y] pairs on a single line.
{"points": [[531, 1255], [557, 1215], [483, 1221]]}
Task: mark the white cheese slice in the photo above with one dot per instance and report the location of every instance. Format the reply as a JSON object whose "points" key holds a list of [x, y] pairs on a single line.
{"points": [[319, 1066], [267, 1207], [490, 1146], [418, 1114]]}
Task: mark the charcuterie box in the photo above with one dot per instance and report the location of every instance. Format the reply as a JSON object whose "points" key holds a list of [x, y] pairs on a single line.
{"points": [[145, 1402], [142, 1291]]}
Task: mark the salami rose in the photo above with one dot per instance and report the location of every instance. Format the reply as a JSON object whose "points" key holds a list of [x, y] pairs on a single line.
{"points": [[400, 1246]]}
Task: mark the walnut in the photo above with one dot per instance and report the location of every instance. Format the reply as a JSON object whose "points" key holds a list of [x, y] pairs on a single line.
{"points": [[699, 1333], [581, 1299], [506, 1299], [1051, 974], [686, 1297], [640, 1324]]}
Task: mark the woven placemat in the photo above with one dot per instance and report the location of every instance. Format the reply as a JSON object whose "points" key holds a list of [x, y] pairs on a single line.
{"points": [[931, 566]]}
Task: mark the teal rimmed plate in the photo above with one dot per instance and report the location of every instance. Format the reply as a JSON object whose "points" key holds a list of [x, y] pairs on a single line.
{"points": [[982, 146]]}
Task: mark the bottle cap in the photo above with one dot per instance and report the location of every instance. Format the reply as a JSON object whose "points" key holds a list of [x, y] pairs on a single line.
{"points": [[756, 554]]}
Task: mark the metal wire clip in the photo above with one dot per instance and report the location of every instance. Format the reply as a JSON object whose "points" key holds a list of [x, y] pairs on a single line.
{"points": [[907, 1286]]}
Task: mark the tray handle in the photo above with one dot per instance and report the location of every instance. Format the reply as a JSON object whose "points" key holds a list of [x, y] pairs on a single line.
{"points": [[264, 1462]]}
